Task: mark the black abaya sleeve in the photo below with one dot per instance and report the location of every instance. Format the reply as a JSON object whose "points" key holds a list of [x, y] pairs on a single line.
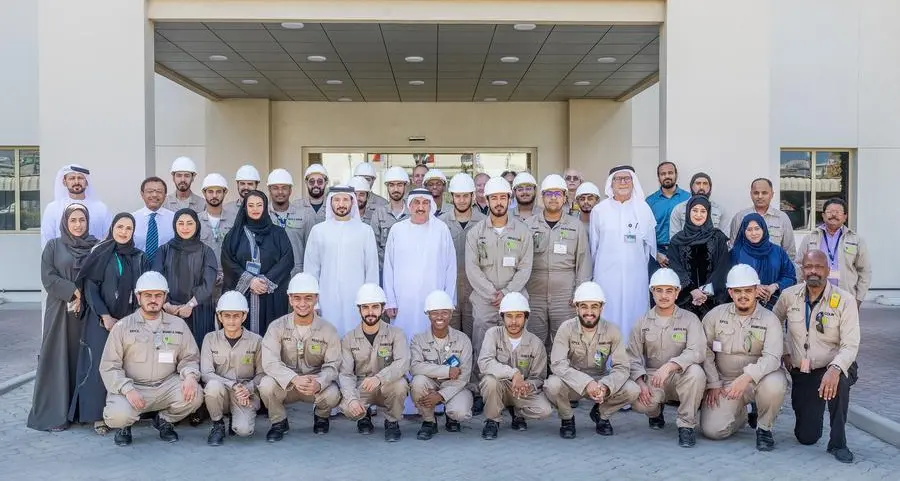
{"points": [[721, 265], [232, 266], [280, 272], [56, 286], [203, 292], [159, 261], [94, 298]]}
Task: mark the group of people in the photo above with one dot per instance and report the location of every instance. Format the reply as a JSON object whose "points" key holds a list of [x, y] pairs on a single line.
{"points": [[348, 300]]}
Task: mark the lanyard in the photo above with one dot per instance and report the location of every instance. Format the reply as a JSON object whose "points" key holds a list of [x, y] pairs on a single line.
{"points": [[254, 249], [119, 262], [832, 253]]}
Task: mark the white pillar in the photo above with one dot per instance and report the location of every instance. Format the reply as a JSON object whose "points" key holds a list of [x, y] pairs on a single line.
{"points": [[96, 95], [715, 94]]}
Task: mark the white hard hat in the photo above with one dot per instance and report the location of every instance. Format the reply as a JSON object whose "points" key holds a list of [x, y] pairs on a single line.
{"points": [[214, 180], [587, 188], [438, 300], [496, 185], [553, 182], [315, 169], [303, 283], [742, 275], [365, 169], [589, 291], [370, 294], [514, 302], [396, 174], [665, 277], [280, 177], [434, 174], [232, 301], [359, 184], [247, 172], [524, 178], [151, 281], [183, 164], [461, 183]]}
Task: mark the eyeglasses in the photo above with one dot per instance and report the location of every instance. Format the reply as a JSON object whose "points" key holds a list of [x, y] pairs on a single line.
{"points": [[820, 322], [553, 194], [312, 182], [622, 180], [572, 178]]}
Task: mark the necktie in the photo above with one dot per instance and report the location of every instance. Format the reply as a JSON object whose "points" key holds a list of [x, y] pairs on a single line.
{"points": [[152, 238]]}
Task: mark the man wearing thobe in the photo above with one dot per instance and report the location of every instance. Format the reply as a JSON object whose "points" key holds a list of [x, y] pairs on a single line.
{"points": [[247, 179], [781, 232], [316, 178], [215, 224], [661, 203], [184, 171], [73, 185], [296, 220], [524, 187], [623, 238], [573, 179], [435, 181], [587, 197], [341, 254], [153, 223], [701, 184], [367, 171], [395, 179], [481, 203], [363, 195]]}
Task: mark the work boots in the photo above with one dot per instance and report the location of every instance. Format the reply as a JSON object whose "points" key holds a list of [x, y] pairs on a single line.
{"points": [[427, 431], [686, 437], [392, 431], [764, 440], [604, 428], [452, 425], [166, 430], [518, 422], [490, 430], [123, 436], [216, 433], [567, 428], [277, 431], [321, 425], [658, 422]]}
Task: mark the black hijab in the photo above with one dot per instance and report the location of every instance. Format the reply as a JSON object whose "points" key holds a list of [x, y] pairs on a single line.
{"points": [[78, 246], [692, 235], [261, 228], [191, 244], [99, 258]]}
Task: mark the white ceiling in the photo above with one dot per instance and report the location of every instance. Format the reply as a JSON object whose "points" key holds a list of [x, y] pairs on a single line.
{"points": [[461, 62]]}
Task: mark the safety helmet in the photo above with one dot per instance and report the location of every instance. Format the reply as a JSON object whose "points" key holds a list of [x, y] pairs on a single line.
{"points": [[589, 291], [214, 180], [370, 294], [496, 185], [587, 188], [396, 174], [247, 172], [553, 182], [315, 169], [359, 184], [437, 301], [524, 178], [665, 277], [151, 281], [365, 169], [434, 174], [514, 302], [279, 177], [183, 164], [461, 183], [742, 275], [232, 301], [303, 283]]}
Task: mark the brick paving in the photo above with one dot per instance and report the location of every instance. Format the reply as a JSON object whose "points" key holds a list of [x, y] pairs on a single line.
{"points": [[20, 328], [878, 359]]}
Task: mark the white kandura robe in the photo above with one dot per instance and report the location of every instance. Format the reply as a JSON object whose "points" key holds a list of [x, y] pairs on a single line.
{"points": [[99, 214]]}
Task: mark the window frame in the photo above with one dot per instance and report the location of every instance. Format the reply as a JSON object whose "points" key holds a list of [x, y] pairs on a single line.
{"points": [[851, 182]]}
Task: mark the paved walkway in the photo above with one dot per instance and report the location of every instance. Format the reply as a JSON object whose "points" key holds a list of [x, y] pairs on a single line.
{"points": [[20, 329], [879, 359]]}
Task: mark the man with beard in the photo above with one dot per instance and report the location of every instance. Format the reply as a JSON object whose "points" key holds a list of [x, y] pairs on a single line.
{"points": [[183, 173], [247, 178], [667, 348], [296, 221], [374, 362], [153, 224], [524, 186], [661, 203], [587, 196], [363, 193], [396, 180], [573, 179], [367, 171], [743, 363], [316, 178], [588, 360], [342, 255], [823, 341], [73, 185], [701, 184], [435, 181], [481, 204], [561, 262], [151, 363], [418, 176], [781, 231], [460, 221], [214, 222]]}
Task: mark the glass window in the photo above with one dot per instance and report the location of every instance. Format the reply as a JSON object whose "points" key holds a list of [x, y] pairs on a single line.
{"points": [[20, 191], [7, 189], [804, 188]]}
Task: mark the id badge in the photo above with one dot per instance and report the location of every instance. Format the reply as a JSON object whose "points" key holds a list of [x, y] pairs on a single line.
{"points": [[630, 238], [166, 357], [804, 366], [509, 261], [560, 248], [717, 346], [452, 361], [254, 268]]}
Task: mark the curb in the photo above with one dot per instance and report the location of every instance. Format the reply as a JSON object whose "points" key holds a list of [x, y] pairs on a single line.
{"points": [[875, 424], [15, 382]]}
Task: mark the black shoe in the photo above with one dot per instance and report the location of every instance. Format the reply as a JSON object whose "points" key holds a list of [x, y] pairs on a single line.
{"points": [[659, 422], [764, 440], [752, 416], [604, 428], [216, 434], [518, 424], [841, 454], [392, 431], [478, 406], [123, 437], [567, 428], [166, 430], [365, 426], [452, 425], [197, 417], [231, 426], [573, 404], [490, 430], [277, 431], [427, 431], [321, 425], [686, 437], [595, 413]]}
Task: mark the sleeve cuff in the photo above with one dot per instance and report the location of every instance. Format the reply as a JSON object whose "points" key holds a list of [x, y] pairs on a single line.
{"points": [[714, 385]]}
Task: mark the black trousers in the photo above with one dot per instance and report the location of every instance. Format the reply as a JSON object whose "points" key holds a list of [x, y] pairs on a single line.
{"points": [[809, 408]]}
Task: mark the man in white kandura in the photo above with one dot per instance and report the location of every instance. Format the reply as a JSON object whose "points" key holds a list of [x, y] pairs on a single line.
{"points": [[73, 185]]}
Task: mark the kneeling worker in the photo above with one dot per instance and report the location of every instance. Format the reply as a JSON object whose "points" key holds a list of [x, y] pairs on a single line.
{"points": [[582, 350], [150, 363]]}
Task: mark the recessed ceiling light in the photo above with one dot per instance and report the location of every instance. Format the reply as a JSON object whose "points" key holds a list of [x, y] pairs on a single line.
{"points": [[292, 25], [524, 27], [414, 59], [417, 82], [334, 82], [249, 81], [490, 99], [499, 82], [582, 83], [345, 99], [218, 58], [509, 59], [607, 59], [317, 58]]}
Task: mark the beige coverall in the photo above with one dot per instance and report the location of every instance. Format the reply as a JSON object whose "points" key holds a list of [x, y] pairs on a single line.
{"points": [[742, 345], [462, 316], [381, 222], [297, 221], [576, 360], [153, 363], [286, 355], [680, 339], [222, 367], [498, 363], [320, 214], [431, 373], [387, 358], [855, 266], [535, 211], [213, 237], [562, 261], [195, 202]]}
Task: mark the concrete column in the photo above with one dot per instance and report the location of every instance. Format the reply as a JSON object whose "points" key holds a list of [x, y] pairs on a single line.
{"points": [[600, 134], [96, 95], [237, 133]]}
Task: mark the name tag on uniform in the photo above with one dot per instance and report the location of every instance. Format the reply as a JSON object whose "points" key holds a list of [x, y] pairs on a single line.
{"points": [[850, 249], [630, 238], [509, 261], [166, 357], [254, 268], [560, 248], [717, 346]]}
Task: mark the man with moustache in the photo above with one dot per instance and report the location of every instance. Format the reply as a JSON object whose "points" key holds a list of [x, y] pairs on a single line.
{"points": [[153, 224], [374, 362], [661, 203], [215, 224], [396, 180], [294, 219], [316, 178], [367, 171], [184, 171], [73, 185], [418, 176], [435, 181], [363, 194], [524, 186], [781, 231], [481, 203], [822, 344], [701, 184], [247, 178], [587, 197], [573, 179]]}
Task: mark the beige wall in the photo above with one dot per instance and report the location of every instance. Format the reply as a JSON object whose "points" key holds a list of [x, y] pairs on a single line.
{"points": [[238, 133], [180, 128], [599, 137]]}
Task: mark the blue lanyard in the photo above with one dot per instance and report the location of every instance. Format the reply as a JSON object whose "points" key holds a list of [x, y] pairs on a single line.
{"points": [[832, 253]]}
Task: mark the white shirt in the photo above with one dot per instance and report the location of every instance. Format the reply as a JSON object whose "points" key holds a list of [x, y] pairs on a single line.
{"points": [[98, 227], [164, 220]]}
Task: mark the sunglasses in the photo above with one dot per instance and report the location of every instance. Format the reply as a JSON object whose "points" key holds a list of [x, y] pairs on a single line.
{"points": [[820, 322], [572, 178], [312, 182]]}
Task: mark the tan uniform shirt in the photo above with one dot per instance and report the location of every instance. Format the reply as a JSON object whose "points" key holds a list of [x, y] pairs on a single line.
{"points": [[738, 345], [536, 210], [320, 214], [853, 259], [382, 221], [387, 358], [285, 354], [229, 365], [499, 359], [195, 202], [297, 221], [136, 355], [428, 360], [655, 341], [369, 211], [458, 232], [838, 344], [499, 262], [579, 359], [214, 236], [781, 231], [562, 256]]}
